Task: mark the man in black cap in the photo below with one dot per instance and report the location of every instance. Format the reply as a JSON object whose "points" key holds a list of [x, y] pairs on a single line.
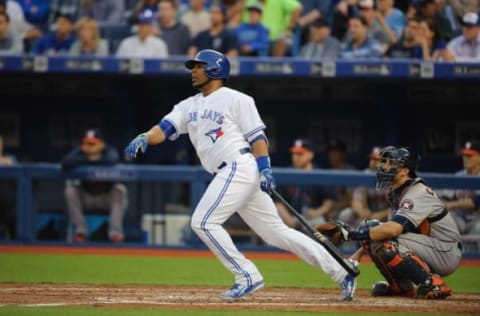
{"points": [[312, 201], [103, 195]]}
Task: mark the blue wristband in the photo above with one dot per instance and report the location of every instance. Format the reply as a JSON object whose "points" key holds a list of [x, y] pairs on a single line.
{"points": [[167, 128], [263, 162], [363, 234]]}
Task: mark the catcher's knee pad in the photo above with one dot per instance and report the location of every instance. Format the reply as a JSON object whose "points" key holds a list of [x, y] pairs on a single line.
{"points": [[386, 252]]}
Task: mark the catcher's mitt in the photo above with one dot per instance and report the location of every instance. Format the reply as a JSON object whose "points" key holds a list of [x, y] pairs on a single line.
{"points": [[332, 230]]}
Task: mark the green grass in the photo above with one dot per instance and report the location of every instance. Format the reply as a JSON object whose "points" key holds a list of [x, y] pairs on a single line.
{"points": [[78, 311], [37, 268], [85, 269]]}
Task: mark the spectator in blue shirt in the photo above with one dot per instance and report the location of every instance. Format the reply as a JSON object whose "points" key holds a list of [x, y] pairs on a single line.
{"points": [[253, 36], [59, 41], [36, 11], [394, 18], [360, 46]]}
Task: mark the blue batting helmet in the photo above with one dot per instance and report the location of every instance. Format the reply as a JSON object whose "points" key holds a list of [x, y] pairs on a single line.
{"points": [[218, 66]]}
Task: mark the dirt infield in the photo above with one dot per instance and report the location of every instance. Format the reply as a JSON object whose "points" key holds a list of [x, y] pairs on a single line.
{"points": [[207, 298]]}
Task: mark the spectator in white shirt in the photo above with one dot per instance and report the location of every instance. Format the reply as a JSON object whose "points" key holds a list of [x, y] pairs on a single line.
{"points": [[197, 19], [145, 44], [466, 47], [18, 25], [10, 44]]}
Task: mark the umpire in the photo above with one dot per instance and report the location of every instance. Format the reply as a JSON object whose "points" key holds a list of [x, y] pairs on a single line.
{"points": [[420, 244]]}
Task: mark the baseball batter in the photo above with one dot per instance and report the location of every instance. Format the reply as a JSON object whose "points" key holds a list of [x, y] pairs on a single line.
{"points": [[420, 243], [227, 132]]}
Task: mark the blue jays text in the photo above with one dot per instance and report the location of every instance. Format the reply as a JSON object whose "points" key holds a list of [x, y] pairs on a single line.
{"points": [[206, 115]]}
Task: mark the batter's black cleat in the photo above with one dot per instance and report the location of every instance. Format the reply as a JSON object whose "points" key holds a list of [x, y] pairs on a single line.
{"points": [[434, 288], [383, 288]]}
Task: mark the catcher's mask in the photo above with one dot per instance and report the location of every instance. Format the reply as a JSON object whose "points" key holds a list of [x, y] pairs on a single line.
{"points": [[391, 159], [217, 64]]}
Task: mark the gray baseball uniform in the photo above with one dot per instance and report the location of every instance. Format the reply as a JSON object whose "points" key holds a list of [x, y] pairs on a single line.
{"points": [[438, 242]]}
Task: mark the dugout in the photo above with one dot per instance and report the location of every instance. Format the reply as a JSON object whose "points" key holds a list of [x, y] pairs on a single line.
{"points": [[42, 113]]}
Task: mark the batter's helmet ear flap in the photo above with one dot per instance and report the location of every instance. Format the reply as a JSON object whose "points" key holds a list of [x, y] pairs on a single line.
{"points": [[217, 64]]}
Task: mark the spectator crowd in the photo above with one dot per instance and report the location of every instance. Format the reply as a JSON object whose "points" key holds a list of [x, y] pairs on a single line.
{"points": [[433, 30]]}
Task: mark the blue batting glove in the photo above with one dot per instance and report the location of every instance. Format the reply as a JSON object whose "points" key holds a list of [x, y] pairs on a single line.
{"points": [[138, 143], [267, 183]]}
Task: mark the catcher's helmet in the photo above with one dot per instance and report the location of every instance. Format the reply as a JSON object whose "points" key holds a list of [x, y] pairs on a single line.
{"points": [[399, 157], [218, 66]]}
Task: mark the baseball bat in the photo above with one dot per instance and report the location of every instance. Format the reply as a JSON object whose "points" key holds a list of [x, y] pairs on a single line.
{"points": [[321, 239]]}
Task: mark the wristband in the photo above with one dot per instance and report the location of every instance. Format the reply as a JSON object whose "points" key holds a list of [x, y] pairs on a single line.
{"points": [[263, 162], [363, 234], [167, 128]]}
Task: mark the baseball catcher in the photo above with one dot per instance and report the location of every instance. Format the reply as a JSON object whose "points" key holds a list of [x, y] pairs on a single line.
{"points": [[420, 243]]}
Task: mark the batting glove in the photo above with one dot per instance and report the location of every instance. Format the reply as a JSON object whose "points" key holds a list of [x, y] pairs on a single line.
{"points": [[138, 143], [267, 183]]}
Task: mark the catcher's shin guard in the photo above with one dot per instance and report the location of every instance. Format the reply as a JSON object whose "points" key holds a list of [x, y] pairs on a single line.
{"points": [[409, 266], [386, 258]]}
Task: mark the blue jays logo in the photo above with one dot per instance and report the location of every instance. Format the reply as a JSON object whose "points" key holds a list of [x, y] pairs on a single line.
{"points": [[214, 134]]}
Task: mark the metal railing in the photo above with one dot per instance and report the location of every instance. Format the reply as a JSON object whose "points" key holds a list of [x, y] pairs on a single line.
{"points": [[26, 174]]}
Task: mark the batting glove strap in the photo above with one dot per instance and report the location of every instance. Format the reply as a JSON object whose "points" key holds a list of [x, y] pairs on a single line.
{"points": [[138, 143]]}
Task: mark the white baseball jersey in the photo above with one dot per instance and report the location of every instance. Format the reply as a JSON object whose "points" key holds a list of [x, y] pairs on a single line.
{"points": [[220, 127]]}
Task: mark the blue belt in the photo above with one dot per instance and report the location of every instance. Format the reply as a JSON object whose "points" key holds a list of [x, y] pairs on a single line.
{"points": [[242, 151]]}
